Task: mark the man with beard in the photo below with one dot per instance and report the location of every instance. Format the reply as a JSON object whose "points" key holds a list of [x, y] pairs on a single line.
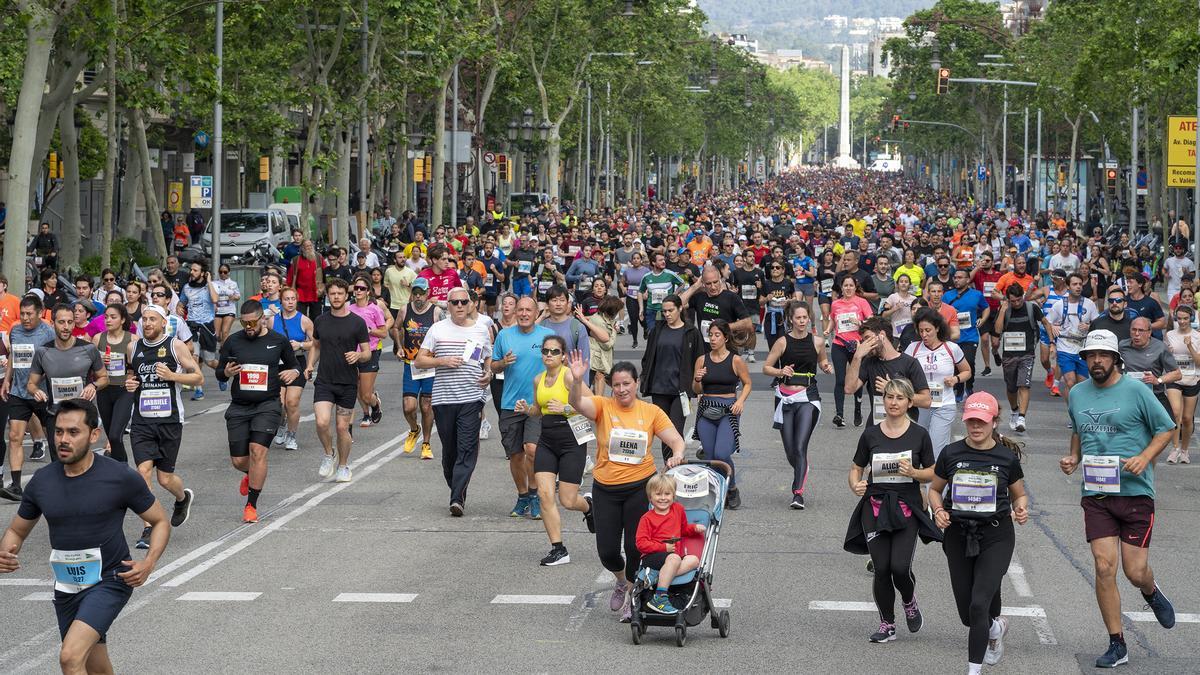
{"points": [[252, 358], [1119, 431], [876, 361], [84, 497]]}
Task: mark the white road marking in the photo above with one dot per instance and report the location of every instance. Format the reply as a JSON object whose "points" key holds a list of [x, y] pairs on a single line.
{"points": [[25, 582], [533, 599], [220, 407], [278, 523], [1016, 574], [375, 597], [1035, 614], [219, 596], [308, 418], [1149, 616], [40, 596], [722, 603]]}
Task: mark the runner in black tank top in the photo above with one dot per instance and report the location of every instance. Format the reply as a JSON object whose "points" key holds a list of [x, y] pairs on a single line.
{"points": [[794, 360], [719, 409]]}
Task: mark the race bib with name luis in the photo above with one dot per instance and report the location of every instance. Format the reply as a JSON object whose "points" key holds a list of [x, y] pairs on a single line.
{"points": [[76, 571]]}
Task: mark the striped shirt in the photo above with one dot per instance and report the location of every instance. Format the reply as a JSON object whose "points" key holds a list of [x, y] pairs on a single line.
{"points": [[452, 386]]}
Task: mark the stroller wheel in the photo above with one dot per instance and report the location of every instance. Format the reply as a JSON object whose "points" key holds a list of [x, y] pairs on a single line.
{"points": [[635, 628], [680, 636], [723, 623]]}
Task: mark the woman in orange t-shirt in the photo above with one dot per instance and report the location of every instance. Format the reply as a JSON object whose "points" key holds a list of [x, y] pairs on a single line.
{"points": [[624, 428]]}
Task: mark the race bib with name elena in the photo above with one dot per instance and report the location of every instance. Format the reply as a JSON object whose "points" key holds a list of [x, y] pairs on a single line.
{"points": [[627, 446]]}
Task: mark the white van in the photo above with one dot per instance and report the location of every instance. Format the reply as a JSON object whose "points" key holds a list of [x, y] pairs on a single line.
{"points": [[243, 228]]}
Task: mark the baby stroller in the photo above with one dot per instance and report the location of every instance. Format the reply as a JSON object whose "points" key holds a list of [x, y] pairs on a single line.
{"points": [[700, 489]]}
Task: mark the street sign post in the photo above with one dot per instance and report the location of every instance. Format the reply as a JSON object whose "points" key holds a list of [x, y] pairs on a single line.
{"points": [[201, 196], [1181, 151]]}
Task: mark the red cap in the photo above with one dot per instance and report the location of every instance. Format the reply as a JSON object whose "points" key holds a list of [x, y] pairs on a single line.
{"points": [[981, 406]]}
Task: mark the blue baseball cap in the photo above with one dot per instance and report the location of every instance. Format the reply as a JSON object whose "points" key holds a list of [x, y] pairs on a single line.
{"points": [[421, 284]]}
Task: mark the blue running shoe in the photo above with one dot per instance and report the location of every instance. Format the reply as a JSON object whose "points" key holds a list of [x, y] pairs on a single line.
{"points": [[535, 508], [223, 386], [198, 395], [521, 508], [1164, 611], [1116, 655], [659, 602]]}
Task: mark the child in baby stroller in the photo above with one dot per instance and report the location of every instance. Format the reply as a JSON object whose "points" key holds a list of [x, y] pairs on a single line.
{"points": [[699, 493]]}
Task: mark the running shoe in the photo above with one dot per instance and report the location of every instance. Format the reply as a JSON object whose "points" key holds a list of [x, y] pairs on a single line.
{"points": [[635, 344], [661, 603], [1020, 424], [987, 370], [995, 645], [1116, 655], [858, 417], [839, 422], [426, 451], [343, 475], [376, 414], [280, 436], [410, 442], [1184, 458], [485, 429], [365, 421], [1173, 458], [223, 386], [627, 610], [1054, 391], [617, 600], [291, 443], [535, 508], [1012, 420], [183, 508], [198, 395], [244, 486], [798, 502], [12, 493], [328, 464], [143, 541], [733, 500], [249, 514], [557, 556], [588, 518], [1164, 611], [38, 454], [520, 509], [912, 615], [456, 509], [1049, 380], [886, 632]]}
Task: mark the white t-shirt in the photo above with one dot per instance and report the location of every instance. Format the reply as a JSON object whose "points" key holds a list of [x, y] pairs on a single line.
{"points": [[1067, 316], [461, 384], [1069, 263], [1174, 268], [938, 364]]}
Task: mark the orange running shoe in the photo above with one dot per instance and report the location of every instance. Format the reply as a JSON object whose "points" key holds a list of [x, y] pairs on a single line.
{"points": [[249, 514], [1049, 380], [1055, 392], [244, 488]]}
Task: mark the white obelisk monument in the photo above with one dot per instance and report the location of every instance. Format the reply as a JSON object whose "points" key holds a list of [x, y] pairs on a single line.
{"points": [[843, 159]]}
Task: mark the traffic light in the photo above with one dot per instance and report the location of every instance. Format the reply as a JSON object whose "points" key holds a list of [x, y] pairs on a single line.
{"points": [[1110, 180], [1062, 175], [502, 166], [264, 168], [418, 170], [943, 83], [428, 170], [895, 122], [54, 166]]}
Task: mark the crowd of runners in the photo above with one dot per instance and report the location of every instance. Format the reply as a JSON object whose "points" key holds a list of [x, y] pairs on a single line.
{"points": [[895, 295]]}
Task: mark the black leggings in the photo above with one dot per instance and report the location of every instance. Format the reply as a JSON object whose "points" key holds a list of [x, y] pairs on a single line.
{"points": [[635, 318], [799, 421], [976, 581], [891, 554], [670, 404], [116, 407], [617, 511], [841, 357]]}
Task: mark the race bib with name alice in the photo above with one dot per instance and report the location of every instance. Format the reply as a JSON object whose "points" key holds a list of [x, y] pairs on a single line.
{"points": [[885, 467], [974, 491], [1102, 473], [627, 446]]}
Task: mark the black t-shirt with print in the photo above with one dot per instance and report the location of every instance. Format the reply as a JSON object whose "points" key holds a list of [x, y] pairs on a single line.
{"points": [[979, 478], [875, 444]]}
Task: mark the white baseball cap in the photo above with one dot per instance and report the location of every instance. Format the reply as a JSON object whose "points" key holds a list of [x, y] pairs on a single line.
{"points": [[1100, 341]]}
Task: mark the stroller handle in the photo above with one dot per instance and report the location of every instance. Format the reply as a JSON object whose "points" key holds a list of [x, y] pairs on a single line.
{"points": [[717, 464]]}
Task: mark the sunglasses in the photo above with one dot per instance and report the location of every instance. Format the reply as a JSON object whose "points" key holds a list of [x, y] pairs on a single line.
{"points": [[546, 351], [459, 303], [1116, 299], [109, 279], [158, 295], [223, 272], [251, 324], [360, 288], [943, 265]]}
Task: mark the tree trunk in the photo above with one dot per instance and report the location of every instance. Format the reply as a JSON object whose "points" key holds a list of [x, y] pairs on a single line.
{"points": [[629, 159], [399, 193], [72, 225], [307, 173], [342, 149], [148, 193], [438, 170], [39, 38], [110, 159], [1072, 168]]}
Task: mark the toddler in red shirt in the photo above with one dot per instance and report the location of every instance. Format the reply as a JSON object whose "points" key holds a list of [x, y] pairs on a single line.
{"points": [[657, 535]]}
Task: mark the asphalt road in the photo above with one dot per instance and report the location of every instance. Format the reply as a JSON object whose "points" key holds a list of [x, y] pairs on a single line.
{"points": [[375, 576]]}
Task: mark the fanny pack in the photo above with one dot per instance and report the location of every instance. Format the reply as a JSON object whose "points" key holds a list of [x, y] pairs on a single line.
{"points": [[713, 412]]}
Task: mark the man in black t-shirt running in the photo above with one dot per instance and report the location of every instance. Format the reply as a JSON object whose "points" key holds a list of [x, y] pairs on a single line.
{"points": [[876, 360], [252, 357], [84, 497]]}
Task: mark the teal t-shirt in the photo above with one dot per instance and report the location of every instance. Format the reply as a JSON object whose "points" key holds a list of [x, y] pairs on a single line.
{"points": [[518, 378], [1117, 421]]}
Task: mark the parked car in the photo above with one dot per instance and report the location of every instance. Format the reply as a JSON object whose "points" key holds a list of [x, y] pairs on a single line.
{"points": [[241, 229]]}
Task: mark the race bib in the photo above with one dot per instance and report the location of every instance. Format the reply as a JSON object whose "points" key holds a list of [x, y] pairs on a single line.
{"points": [[155, 402], [523, 266], [63, 388], [581, 428], [749, 291], [974, 491], [1013, 341], [885, 467], [472, 352], [1102, 473], [1186, 366], [488, 279], [253, 377], [544, 286], [935, 393], [880, 413], [1136, 374], [988, 287], [704, 324], [657, 295], [685, 403], [22, 356], [964, 320], [115, 365], [847, 322], [416, 373], [899, 326], [585, 284], [826, 286], [627, 446], [75, 571], [777, 303]]}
